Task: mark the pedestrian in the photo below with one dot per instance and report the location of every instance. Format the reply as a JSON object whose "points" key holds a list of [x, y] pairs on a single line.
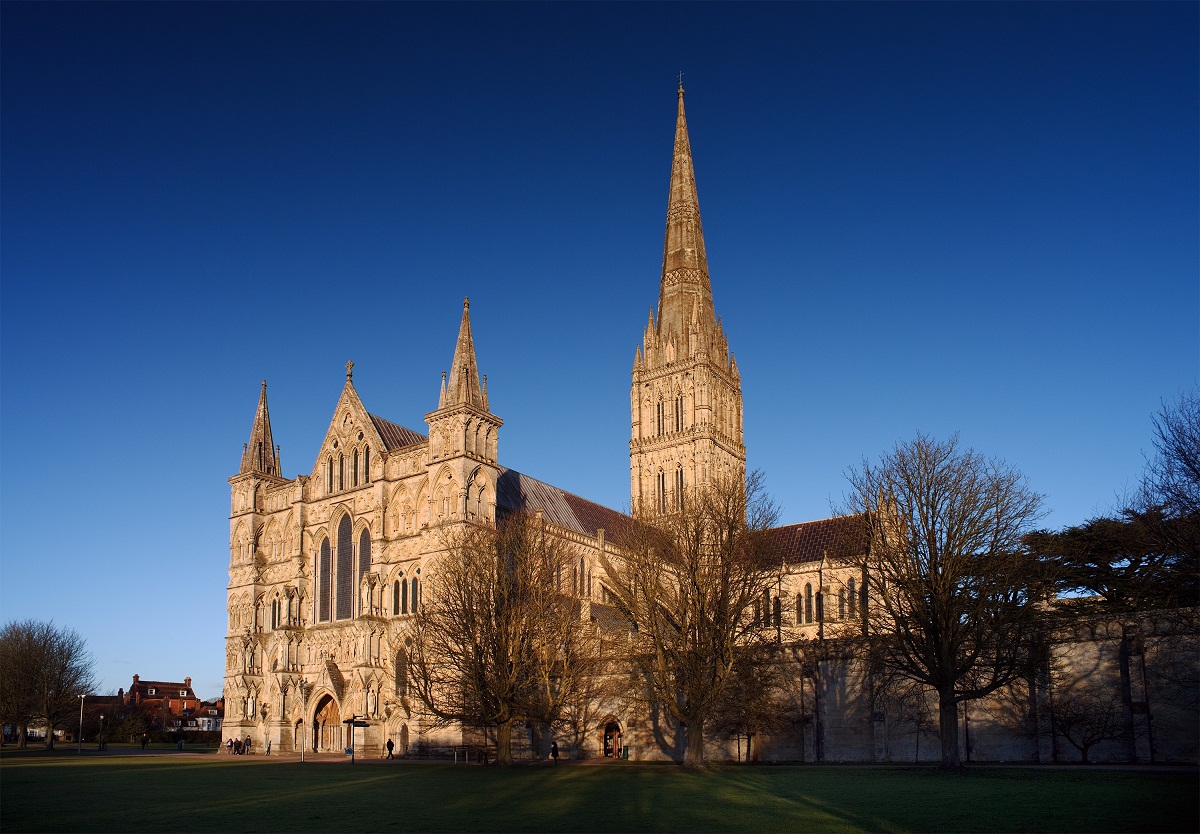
{"points": [[246, 746], [268, 747], [145, 740], [554, 752], [390, 746], [229, 746]]}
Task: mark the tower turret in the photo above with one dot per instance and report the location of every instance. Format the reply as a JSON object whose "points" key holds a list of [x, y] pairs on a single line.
{"points": [[463, 438]]}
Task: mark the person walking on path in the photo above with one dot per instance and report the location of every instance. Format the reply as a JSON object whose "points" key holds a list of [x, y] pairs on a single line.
{"points": [[229, 746], [268, 747], [554, 752], [390, 746]]}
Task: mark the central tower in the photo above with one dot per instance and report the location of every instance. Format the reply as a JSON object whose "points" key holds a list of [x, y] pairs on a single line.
{"points": [[686, 398]]}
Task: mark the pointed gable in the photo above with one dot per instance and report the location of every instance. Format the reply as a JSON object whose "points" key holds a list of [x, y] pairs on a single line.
{"points": [[351, 430]]}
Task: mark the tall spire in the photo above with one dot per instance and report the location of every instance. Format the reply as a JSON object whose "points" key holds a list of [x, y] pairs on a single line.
{"points": [[463, 387], [685, 280], [260, 454]]}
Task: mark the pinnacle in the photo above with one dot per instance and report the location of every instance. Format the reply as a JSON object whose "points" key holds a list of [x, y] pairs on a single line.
{"points": [[260, 453], [463, 386]]}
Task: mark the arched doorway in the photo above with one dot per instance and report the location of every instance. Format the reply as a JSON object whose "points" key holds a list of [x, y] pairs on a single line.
{"points": [[327, 726], [612, 740]]}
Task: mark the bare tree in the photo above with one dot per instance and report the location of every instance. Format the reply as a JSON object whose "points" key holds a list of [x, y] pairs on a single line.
{"points": [[498, 639], [688, 581], [43, 671], [954, 589], [1087, 709], [1172, 478]]}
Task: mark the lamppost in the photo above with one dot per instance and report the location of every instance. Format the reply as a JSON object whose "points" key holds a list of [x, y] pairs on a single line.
{"points": [[101, 731], [79, 740]]}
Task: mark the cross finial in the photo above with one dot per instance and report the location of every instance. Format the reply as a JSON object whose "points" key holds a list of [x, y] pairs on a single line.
{"points": [[681, 82], [350, 370]]}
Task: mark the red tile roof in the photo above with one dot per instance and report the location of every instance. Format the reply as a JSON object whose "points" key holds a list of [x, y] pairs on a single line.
{"points": [[807, 542]]}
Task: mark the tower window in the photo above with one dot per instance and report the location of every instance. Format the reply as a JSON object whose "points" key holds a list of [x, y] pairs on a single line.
{"points": [[341, 471], [662, 491], [853, 600], [679, 487], [354, 471], [404, 596], [396, 597], [329, 474], [661, 420], [366, 464], [808, 602], [679, 413]]}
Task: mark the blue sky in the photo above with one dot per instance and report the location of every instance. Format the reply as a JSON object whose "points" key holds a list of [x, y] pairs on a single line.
{"points": [[973, 218]]}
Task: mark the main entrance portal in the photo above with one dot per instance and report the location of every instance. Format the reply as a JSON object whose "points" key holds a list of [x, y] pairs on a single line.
{"points": [[327, 726]]}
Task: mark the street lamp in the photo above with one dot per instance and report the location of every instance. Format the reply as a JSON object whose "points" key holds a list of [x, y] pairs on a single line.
{"points": [[79, 740], [101, 731]]}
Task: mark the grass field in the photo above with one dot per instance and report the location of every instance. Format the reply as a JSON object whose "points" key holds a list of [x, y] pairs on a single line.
{"points": [[128, 792]]}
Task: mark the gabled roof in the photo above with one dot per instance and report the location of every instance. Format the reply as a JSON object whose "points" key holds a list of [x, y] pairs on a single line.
{"points": [[515, 491], [837, 537], [395, 436]]}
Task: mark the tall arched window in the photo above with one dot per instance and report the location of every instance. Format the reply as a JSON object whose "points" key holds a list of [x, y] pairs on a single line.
{"points": [[329, 474], [416, 594], [402, 672], [662, 491], [403, 596], [661, 419], [679, 413], [354, 470], [820, 607], [364, 553], [853, 600], [345, 569], [324, 582], [341, 471], [841, 603], [808, 602], [366, 464], [396, 597], [679, 486]]}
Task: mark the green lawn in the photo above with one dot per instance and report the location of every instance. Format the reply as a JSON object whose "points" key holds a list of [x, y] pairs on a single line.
{"points": [[118, 792]]}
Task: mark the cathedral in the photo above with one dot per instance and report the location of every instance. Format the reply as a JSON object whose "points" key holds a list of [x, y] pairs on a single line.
{"points": [[327, 568]]}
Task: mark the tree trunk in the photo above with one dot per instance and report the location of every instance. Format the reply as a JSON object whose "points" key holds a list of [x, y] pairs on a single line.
{"points": [[504, 743], [948, 726], [693, 754]]}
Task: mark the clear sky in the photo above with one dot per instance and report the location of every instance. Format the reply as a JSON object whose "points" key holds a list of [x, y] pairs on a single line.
{"points": [[977, 218]]}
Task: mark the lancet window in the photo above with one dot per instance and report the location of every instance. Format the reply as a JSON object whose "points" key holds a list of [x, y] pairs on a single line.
{"points": [[345, 569], [324, 582]]}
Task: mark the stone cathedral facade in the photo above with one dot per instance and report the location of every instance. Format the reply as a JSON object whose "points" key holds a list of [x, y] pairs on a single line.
{"points": [[327, 568]]}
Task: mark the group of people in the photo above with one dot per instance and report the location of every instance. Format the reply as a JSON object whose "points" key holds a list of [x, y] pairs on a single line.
{"points": [[237, 747]]}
